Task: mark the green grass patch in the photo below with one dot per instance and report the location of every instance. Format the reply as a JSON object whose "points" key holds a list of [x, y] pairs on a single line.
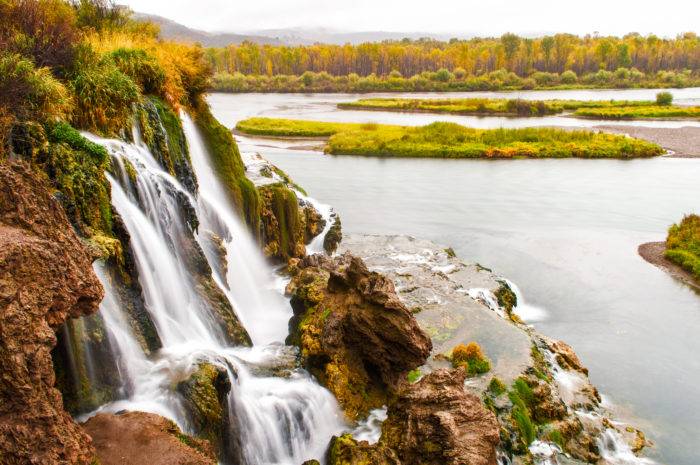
{"points": [[639, 112], [683, 244], [450, 140], [485, 106]]}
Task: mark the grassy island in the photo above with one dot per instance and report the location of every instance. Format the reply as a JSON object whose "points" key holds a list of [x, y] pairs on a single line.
{"points": [[683, 244], [449, 140], [602, 109]]}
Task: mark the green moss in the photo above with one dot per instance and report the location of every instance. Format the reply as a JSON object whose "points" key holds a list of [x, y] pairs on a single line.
{"points": [[506, 297], [522, 397], [556, 437], [450, 252], [496, 387], [414, 375], [204, 392], [228, 165], [282, 221], [333, 236]]}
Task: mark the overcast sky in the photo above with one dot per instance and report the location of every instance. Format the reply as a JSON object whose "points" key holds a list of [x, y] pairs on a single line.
{"points": [[492, 17]]}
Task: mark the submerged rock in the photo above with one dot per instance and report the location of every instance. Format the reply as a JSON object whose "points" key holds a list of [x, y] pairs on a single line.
{"points": [[354, 333], [145, 438], [437, 422], [46, 277]]}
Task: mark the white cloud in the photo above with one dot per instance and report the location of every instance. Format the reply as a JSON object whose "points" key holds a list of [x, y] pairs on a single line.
{"points": [[484, 17]]}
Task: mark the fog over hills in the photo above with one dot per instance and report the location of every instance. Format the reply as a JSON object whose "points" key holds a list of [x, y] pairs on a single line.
{"points": [[292, 36]]}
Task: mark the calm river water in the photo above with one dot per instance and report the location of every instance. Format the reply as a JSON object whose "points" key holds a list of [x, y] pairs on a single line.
{"points": [[566, 231]]}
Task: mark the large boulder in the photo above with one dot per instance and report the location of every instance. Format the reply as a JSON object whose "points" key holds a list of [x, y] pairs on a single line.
{"points": [[46, 277], [145, 438], [354, 333], [437, 422]]}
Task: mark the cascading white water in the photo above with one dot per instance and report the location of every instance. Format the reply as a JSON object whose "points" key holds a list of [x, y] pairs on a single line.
{"points": [[280, 420]]}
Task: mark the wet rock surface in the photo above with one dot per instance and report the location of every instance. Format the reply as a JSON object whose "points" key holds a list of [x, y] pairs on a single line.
{"points": [[437, 422], [145, 438], [46, 277], [438, 289], [354, 333]]}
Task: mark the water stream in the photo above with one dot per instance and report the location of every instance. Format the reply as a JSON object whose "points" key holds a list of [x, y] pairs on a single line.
{"points": [[566, 231], [277, 420]]}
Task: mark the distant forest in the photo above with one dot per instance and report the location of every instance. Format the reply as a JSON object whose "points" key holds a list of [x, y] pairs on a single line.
{"points": [[474, 57]]}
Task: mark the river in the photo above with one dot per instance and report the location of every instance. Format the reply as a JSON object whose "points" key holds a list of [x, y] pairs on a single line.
{"points": [[566, 231]]}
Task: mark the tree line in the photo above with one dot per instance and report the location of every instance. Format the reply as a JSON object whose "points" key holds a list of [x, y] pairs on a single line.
{"points": [[474, 57]]}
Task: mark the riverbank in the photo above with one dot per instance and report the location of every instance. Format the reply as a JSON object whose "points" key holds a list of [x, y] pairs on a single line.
{"points": [[681, 142], [450, 140], [654, 253]]}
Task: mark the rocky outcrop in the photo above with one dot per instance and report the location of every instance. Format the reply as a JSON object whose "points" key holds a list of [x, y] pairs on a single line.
{"points": [[145, 438], [437, 422], [344, 450], [354, 333], [205, 393], [45, 278], [333, 236], [283, 225]]}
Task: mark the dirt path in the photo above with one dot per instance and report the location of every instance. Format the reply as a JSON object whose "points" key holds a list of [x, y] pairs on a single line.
{"points": [[653, 252]]}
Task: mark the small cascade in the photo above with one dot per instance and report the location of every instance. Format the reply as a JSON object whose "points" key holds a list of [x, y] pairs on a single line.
{"points": [[277, 419], [527, 312], [326, 211], [615, 451]]}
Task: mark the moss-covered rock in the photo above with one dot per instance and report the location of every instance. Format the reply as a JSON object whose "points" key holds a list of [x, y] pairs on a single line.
{"points": [[333, 236], [507, 299], [283, 226], [345, 450], [227, 164], [86, 371], [162, 132], [205, 393]]}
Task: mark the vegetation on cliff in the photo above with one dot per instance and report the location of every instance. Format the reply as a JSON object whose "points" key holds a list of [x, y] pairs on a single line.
{"points": [[449, 140], [683, 244], [508, 62], [471, 357]]}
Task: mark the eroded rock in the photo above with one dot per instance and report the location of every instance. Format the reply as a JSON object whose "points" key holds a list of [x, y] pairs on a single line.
{"points": [[46, 277], [354, 333], [145, 438], [437, 422]]}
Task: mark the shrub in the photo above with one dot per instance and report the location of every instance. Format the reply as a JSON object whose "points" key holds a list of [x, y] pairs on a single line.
{"points": [[471, 357], [664, 98], [569, 77], [683, 244], [142, 68], [44, 30], [28, 93], [443, 75], [104, 95]]}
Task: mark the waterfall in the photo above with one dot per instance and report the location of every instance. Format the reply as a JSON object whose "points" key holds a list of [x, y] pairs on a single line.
{"points": [[279, 420]]}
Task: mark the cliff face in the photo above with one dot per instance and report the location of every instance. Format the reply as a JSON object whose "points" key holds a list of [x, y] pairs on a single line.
{"points": [[46, 277]]}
